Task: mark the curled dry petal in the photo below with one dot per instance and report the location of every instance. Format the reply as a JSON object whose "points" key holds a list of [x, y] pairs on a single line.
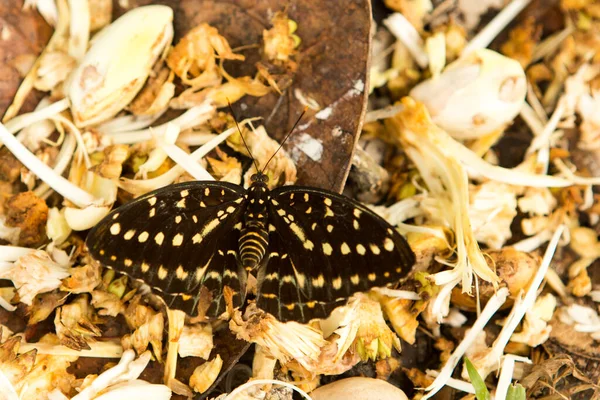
{"points": [[102, 188], [118, 62], [227, 169], [120, 381], [35, 273], [535, 329], [196, 341], [492, 208], [57, 228], [204, 375], [403, 313], [55, 67], [155, 96], [111, 165]]}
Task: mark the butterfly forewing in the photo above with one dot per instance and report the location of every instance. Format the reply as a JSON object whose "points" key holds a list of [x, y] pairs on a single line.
{"points": [[177, 240], [323, 248]]}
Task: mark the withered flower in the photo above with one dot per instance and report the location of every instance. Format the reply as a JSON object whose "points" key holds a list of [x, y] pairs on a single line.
{"points": [[194, 58], [281, 169], [82, 280], [148, 325], [74, 324], [49, 373], [280, 42], [283, 341], [34, 273], [108, 304]]}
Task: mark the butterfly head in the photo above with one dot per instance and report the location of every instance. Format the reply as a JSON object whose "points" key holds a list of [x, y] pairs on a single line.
{"points": [[259, 179]]}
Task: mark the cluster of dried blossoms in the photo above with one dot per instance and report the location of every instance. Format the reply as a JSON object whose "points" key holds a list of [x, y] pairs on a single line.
{"points": [[108, 83], [479, 223]]}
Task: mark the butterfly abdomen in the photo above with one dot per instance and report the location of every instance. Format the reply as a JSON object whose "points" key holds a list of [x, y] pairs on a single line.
{"points": [[254, 236]]}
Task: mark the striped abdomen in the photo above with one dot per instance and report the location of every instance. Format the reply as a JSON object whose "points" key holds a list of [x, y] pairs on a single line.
{"points": [[253, 245], [254, 236]]}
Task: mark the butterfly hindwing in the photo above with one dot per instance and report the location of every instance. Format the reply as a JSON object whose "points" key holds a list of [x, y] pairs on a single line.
{"points": [[324, 247], [177, 240]]}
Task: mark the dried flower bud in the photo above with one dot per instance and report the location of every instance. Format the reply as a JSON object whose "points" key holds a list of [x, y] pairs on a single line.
{"points": [[475, 95], [118, 62]]}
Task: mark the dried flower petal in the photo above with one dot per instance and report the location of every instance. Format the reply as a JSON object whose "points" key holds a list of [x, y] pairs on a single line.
{"points": [[535, 325], [121, 382], [57, 228], [12, 365], [83, 279], [44, 304], [196, 341], [204, 375], [108, 304]]}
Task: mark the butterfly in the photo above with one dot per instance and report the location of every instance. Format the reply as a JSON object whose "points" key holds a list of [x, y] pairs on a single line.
{"points": [[195, 243]]}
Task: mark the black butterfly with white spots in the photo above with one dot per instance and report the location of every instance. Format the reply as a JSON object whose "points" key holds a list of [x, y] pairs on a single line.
{"points": [[310, 249]]}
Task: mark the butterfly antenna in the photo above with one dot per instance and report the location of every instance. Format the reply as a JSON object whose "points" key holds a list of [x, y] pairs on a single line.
{"points": [[242, 136], [285, 138]]}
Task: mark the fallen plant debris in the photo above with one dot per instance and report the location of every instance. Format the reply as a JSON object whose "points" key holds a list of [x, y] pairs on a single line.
{"points": [[117, 99]]}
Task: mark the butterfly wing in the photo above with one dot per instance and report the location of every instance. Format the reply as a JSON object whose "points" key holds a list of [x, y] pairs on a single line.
{"points": [[178, 240], [323, 248]]}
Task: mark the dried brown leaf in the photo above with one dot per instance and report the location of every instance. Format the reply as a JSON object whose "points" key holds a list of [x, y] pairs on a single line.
{"points": [[24, 33]]}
